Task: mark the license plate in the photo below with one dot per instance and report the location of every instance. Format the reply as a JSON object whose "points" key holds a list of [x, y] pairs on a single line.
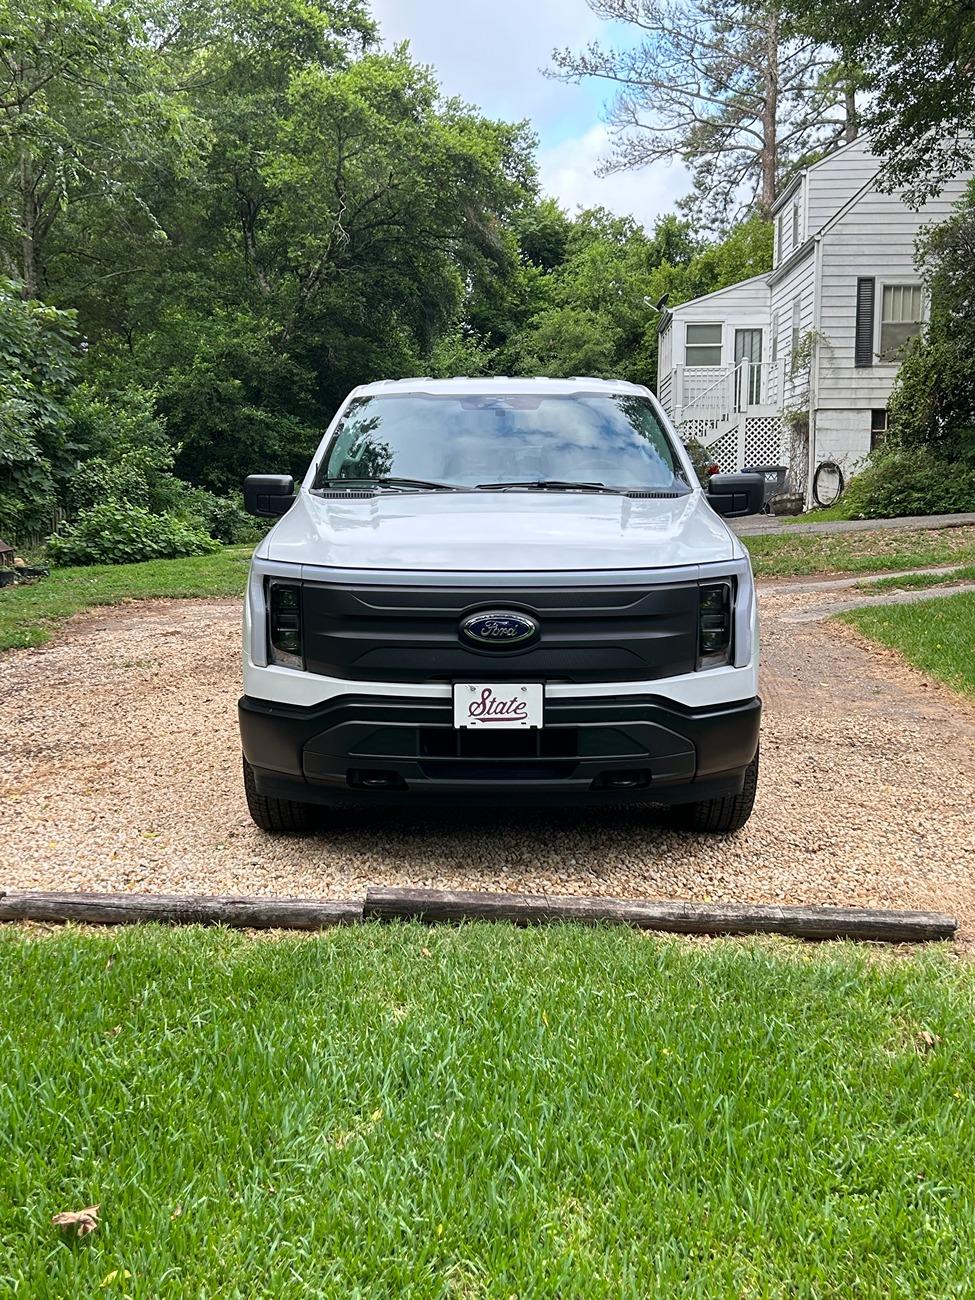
{"points": [[498, 704]]}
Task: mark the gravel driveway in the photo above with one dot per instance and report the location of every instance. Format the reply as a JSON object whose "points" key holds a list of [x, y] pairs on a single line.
{"points": [[119, 769]]}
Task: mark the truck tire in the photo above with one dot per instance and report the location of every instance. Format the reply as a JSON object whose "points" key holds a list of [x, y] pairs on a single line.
{"points": [[720, 816], [282, 815]]}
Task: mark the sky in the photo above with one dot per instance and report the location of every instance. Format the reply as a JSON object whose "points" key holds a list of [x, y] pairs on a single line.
{"points": [[491, 52]]}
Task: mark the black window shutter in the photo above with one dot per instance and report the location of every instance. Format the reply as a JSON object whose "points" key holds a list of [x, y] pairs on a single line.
{"points": [[863, 349]]}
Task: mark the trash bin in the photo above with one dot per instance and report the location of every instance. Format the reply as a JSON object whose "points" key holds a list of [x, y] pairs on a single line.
{"points": [[775, 477]]}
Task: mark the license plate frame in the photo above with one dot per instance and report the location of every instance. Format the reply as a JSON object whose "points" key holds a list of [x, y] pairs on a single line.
{"points": [[499, 706]]}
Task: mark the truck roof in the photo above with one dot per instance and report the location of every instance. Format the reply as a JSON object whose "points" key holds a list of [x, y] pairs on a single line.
{"points": [[501, 384]]}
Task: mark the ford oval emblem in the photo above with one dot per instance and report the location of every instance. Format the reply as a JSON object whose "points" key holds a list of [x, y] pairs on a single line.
{"points": [[499, 629]]}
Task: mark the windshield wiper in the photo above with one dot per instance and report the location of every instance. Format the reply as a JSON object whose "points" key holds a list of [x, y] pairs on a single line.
{"points": [[404, 483], [549, 485]]}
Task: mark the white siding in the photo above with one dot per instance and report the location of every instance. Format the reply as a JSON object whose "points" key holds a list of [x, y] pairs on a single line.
{"points": [[821, 192], [832, 183], [790, 390], [843, 436], [790, 222], [742, 306], [875, 237], [846, 229]]}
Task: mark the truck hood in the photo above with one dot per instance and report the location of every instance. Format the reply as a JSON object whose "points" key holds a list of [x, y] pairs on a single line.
{"points": [[495, 532]]}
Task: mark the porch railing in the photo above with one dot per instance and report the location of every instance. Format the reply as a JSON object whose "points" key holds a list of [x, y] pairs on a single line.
{"points": [[717, 393]]}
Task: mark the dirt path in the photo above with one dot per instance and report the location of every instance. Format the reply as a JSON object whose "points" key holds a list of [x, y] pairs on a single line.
{"points": [[119, 769]]}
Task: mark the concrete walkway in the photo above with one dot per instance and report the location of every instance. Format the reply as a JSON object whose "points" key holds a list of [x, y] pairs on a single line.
{"points": [[760, 525]]}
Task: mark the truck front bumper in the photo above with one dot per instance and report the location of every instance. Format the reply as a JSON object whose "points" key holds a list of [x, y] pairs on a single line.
{"points": [[370, 749]]}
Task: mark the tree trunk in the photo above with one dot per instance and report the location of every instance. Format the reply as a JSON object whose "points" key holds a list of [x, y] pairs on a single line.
{"points": [[28, 218], [770, 111], [852, 128]]}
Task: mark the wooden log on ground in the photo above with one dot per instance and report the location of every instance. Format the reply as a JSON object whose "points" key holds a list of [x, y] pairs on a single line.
{"points": [[179, 909], [454, 905], [681, 918]]}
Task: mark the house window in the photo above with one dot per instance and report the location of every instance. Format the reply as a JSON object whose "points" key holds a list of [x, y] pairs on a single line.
{"points": [[901, 314], [702, 345], [878, 427], [795, 225]]}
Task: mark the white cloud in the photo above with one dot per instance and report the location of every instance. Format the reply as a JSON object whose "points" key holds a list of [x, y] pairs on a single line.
{"points": [[568, 171], [491, 52]]}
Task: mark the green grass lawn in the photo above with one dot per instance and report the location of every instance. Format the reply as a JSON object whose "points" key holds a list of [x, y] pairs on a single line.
{"points": [[484, 1112], [918, 581], [821, 515], [801, 554], [937, 636], [28, 613]]}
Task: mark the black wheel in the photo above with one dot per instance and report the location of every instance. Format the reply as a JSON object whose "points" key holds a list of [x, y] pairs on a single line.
{"points": [[276, 814], [720, 816]]}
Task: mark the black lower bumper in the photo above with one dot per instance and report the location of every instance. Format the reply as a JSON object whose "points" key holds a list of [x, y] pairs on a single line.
{"points": [[368, 749]]}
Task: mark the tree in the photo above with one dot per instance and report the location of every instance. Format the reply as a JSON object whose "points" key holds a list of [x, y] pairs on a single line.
{"points": [[83, 118], [39, 366], [326, 237], [917, 59], [933, 403], [705, 268], [718, 85], [587, 313]]}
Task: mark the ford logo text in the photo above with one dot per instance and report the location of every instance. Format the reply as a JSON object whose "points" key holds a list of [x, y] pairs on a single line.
{"points": [[499, 629]]}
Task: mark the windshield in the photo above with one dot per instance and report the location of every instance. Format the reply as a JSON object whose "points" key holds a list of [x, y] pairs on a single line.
{"points": [[476, 440]]}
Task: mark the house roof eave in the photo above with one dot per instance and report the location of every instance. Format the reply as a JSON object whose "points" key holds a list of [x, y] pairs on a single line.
{"points": [[793, 260], [787, 193]]}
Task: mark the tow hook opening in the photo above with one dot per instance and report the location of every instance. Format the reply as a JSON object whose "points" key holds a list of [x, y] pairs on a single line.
{"points": [[623, 779], [368, 779]]}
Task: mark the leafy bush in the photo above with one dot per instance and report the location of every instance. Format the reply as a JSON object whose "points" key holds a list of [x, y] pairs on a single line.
{"points": [[896, 482], [117, 532], [128, 456], [933, 402], [700, 459], [38, 360], [131, 461], [139, 475], [224, 518]]}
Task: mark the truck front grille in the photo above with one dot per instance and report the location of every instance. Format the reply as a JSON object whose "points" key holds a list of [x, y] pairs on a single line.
{"points": [[411, 633]]}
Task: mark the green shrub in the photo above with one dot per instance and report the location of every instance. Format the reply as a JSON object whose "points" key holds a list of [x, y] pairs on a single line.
{"points": [[700, 459], [117, 532], [38, 363], [139, 475], [127, 457], [224, 518], [896, 482]]}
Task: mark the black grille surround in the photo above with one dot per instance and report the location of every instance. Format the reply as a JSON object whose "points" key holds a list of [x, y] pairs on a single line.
{"points": [[406, 633]]}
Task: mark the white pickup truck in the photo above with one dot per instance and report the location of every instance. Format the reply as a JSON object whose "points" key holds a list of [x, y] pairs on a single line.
{"points": [[501, 590]]}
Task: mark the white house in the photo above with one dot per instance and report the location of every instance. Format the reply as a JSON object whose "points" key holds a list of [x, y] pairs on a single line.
{"points": [[813, 344]]}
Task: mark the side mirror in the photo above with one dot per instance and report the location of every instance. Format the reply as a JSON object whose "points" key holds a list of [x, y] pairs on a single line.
{"points": [[268, 495], [734, 495]]}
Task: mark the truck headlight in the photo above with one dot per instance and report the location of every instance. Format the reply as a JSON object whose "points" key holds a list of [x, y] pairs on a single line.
{"points": [[284, 624], [715, 623]]}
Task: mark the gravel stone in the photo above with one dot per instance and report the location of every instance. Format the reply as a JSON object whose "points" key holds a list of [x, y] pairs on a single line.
{"points": [[120, 770]]}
